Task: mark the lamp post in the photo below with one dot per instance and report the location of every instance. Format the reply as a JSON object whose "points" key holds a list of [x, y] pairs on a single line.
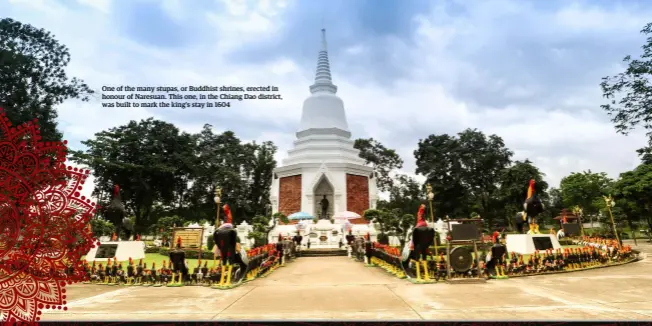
{"points": [[431, 196], [611, 203], [578, 212], [217, 199]]}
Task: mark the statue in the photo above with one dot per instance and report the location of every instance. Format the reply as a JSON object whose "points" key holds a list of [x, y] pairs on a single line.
{"points": [[532, 208], [324, 208], [495, 266], [226, 240], [519, 221], [423, 237], [131, 276], [178, 264], [115, 212]]}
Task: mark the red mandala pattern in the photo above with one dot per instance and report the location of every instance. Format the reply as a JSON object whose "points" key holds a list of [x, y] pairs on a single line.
{"points": [[44, 223]]}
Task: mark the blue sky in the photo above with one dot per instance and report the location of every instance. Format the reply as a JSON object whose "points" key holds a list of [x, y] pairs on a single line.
{"points": [[526, 70]]}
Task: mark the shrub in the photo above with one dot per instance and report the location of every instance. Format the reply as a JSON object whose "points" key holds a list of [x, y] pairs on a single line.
{"points": [[101, 227], [210, 243], [383, 239], [205, 255], [152, 250], [190, 254], [566, 242]]}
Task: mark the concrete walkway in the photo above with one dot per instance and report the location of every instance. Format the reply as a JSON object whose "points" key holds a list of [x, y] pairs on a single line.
{"points": [[341, 289]]}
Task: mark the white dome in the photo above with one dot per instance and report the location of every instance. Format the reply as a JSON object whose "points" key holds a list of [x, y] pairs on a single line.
{"points": [[323, 113]]}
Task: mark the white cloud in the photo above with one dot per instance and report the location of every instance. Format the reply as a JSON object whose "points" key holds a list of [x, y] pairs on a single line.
{"points": [[559, 141]]}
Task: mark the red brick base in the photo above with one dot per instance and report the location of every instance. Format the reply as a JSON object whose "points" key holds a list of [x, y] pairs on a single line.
{"points": [[357, 193], [289, 200]]}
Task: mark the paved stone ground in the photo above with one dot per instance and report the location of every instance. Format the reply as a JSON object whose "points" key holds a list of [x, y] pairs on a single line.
{"points": [[338, 288]]}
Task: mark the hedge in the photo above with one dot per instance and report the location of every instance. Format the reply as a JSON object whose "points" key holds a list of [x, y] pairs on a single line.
{"points": [[152, 250], [189, 254]]}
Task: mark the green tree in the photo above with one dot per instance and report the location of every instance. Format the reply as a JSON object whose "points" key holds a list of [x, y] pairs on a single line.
{"points": [[33, 79], [384, 160], [514, 182], [464, 171], [405, 194], [630, 93], [554, 204], [399, 224], [151, 160], [261, 227], [165, 224], [632, 192], [261, 178], [585, 190], [102, 227], [392, 222], [242, 170]]}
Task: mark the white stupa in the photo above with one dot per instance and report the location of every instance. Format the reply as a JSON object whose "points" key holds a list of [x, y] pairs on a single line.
{"points": [[323, 162]]}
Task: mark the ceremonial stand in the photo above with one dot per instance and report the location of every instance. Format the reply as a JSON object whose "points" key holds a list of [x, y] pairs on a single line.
{"points": [[464, 233], [191, 240]]}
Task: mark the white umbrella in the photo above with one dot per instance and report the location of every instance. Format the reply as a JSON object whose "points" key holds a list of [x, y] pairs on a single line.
{"points": [[346, 216]]}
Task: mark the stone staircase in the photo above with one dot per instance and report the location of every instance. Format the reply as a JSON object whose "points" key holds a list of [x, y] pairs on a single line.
{"points": [[322, 252]]}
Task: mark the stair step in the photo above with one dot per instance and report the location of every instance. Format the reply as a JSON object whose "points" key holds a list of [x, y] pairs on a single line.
{"points": [[323, 252]]}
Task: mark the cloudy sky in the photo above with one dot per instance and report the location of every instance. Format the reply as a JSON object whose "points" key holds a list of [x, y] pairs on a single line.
{"points": [[528, 71]]}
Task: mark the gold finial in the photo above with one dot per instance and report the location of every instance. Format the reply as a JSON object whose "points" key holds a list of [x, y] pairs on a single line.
{"points": [[611, 203]]}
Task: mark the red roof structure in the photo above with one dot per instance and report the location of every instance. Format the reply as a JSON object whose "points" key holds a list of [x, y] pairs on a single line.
{"points": [[569, 216]]}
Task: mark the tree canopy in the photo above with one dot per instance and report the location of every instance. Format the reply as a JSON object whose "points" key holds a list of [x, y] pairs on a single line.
{"points": [[630, 93], [383, 159], [632, 193], [157, 165], [513, 186], [585, 190], [464, 171], [33, 78]]}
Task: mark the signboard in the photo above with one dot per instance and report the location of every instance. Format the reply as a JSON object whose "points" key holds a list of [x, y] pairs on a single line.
{"points": [[191, 238], [106, 251], [542, 243]]}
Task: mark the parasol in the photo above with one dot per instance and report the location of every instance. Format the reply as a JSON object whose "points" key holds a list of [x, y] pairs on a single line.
{"points": [[346, 216], [300, 216]]}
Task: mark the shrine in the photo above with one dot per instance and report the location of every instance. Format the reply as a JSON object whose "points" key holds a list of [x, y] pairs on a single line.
{"points": [[323, 176]]}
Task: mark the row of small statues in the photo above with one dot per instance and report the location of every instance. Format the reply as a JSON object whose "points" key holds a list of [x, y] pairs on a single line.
{"points": [[260, 262], [550, 261]]}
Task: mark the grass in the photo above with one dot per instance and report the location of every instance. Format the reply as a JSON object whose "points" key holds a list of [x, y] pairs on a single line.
{"points": [[158, 259]]}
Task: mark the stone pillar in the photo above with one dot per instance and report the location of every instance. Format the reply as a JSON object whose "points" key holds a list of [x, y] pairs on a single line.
{"points": [[337, 205], [310, 202]]}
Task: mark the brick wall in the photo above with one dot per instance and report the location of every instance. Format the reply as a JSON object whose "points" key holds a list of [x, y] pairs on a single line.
{"points": [[357, 193], [289, 200]]}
